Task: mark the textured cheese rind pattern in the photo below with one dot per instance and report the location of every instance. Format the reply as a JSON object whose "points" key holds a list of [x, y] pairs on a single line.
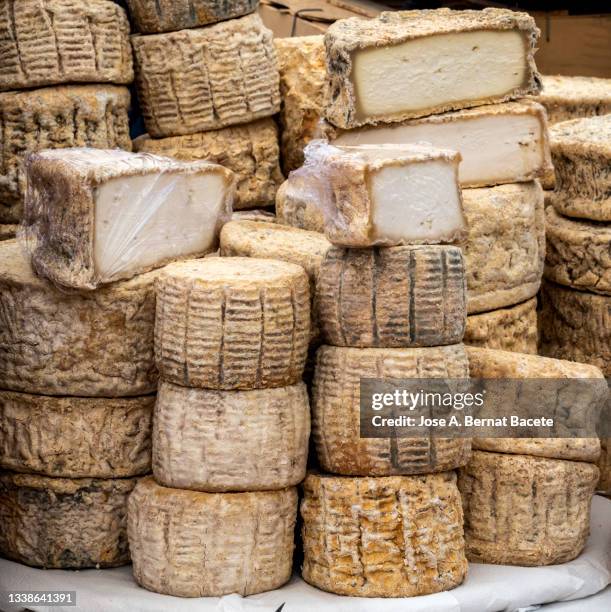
{"points": [[71, 437], [49, 42], [207, 78], [218, 441], [336, 411], [522, 510], [55, 118], [192, 544], [604, 465], [397, 536], [57, 523]]}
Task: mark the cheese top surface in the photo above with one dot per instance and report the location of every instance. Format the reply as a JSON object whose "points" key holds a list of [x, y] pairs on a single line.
{"points": [[592, 132]]}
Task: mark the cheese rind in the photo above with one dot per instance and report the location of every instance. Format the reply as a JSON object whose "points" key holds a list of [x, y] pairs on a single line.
{"points": [[581, 153], [392, 297], [575, 325], [604, 465], [251, 151], [385, 195], [55, 118], [570, 408], [336, 411], [219, 441], [88, 344], [152, 16], [57, 523], [232, 323], [573, 97], [578, 253], [505, 249], [70, 437], [408, 64], [93, 217], [522, 510], [498, 143], [301, 60], [49, 42], [183, 83], [397, 536], [192, 544], [513, 328], [296, 208], [8, 231]]}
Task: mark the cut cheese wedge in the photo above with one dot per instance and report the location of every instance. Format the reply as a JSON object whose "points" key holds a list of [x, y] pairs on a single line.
{"points": [[397, 536], [192, 544], [414, 63], [498, 143], [383, 194], [522, 510], [93, 216], [60, 523], [232, 323]]}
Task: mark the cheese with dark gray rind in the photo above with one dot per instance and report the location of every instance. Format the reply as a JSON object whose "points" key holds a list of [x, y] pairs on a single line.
{"points": [[575, 325], [49, 42], [55, 118], [232, 323], [513, 328], [392, 297], [406, 64], [59, 523], [581, 153], [193, 544], [336, 411], [397, 536], [301, 60], [93, 217], [92, 344], [574, 97], [72, 437], [152, 16], [206, 78], [220, 441], [529, 511], [251, 151], [578, 253], [505, 249]]}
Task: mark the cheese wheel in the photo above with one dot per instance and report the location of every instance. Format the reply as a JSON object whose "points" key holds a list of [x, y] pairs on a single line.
{"points": [[523, 510], [301, 61], [93, 344], [392, 297], [578, 253], [397, 536], [505, 248], [151, 16], [230, 440], [57, 523], [513, 328], [581, 154], [71, 437], [575, 325], [191, 544], [251, 151], [232, 323], [55, 118], [336, 411], [48, 42], [183, 82]]}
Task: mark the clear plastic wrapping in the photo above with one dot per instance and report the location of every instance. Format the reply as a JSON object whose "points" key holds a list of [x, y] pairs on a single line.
{"points": [[97, 216]]}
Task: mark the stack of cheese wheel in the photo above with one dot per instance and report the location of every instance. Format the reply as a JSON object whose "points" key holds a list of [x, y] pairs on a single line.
{"points": [[52, 96], [486, 116], [527, 500], [77, 368], [207, 79], [575, 317], [231, 429], [389, 305]]}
